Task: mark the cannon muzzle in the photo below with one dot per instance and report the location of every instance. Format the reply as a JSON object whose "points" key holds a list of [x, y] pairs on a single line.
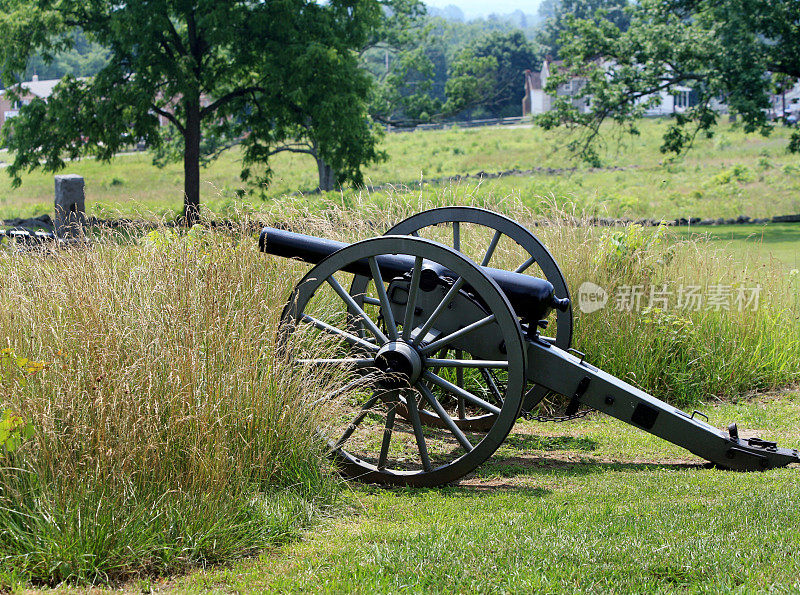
{"points": [[532, 298]]}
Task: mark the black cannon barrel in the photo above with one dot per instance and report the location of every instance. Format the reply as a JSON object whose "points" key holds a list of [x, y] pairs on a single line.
{"points": [[531, 297]]}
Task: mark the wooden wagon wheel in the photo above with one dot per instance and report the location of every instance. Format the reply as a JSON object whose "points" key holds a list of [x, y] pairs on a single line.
{"points": [[463, 224], [390, 368]]}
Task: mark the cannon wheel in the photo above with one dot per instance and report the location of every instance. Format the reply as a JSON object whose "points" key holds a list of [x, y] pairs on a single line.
{"points": [[366, 436], [459, 218]]}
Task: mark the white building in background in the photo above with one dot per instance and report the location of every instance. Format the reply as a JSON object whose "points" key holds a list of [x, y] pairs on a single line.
{"points": [[536, 101], [30, 89], [786, 104], [673, 102]]}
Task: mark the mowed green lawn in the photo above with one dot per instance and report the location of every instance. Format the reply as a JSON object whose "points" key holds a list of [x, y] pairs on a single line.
{"points": [[591, 505], [779, 241]]}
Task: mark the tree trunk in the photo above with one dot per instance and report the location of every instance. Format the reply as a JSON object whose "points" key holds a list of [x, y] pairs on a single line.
{"points": [[327, 175], [191, 164], [783, 111]]}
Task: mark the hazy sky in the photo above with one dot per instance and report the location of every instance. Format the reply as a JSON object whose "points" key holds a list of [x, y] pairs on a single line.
{"points": [[473, 8]]}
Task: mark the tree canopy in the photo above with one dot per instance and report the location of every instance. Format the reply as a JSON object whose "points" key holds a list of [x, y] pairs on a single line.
{"points": [[487, 74], [280, 75], [558, 14], [413, 76], [724, 50], [81, 59]]}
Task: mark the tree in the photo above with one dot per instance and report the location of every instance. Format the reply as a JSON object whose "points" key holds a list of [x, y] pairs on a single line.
{"points": [[558, 13], [273, 72], [412, 75], [724, 50], [82, 59], [548, 9], [488, 74], [406, 61]]}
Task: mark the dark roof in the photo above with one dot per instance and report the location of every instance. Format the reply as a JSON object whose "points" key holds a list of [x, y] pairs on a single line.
{"points": [[533, 80]]}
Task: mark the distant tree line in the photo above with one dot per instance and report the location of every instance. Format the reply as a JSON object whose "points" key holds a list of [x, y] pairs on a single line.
{"points": [[450, 68], [411, 66], [437, 66], [300, 76], [83, 58]]}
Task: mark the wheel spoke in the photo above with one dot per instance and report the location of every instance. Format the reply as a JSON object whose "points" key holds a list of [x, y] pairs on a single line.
{"points": [[411, 304], [490, 250], [356, 420], [467, 363], [351, 303], [387, 435], [443, 341], [352, 339], [487, 376], [435, 370], [448, 421], [457, 284], [411, 403], [458, 391], [462, 412], [524, 266], [386, 308], [457, 236]]}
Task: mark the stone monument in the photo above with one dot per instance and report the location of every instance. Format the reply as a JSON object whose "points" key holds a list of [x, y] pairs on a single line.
{"points": [[70, 211]]}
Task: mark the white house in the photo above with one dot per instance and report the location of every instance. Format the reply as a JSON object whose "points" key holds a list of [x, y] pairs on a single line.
{"points": [[536, 101], [30, 89], [787, 103], [672, 102]]}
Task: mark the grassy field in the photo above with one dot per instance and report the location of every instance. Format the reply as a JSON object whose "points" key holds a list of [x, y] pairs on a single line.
{"points": [[589, 506], [725, 176], [776, 241], [147, 424], [147, 372], [592, 505]]}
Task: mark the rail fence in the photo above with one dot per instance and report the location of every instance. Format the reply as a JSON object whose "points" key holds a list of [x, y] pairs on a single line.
{"points": [[462, 124]]}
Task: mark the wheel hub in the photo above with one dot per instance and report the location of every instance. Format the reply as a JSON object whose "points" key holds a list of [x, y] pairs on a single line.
{"points": [[400, 363]]}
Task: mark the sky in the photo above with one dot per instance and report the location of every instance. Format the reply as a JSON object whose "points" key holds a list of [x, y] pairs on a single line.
{"points": [[475, 8]]}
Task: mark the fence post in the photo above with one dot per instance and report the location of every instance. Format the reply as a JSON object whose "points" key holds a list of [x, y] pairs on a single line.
{"points": [[70, 205]]}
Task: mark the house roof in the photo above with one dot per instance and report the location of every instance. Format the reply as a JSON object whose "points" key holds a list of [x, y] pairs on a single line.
{"points": [[39, 88], [533, 80]]}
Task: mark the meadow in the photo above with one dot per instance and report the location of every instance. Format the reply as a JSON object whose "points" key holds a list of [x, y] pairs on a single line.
{"points": [[158, 442], [728, 175], [590, 506]]}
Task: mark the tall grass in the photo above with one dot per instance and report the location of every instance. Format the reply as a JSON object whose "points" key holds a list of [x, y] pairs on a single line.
{"points": [[716, 348], [166, 433], [683, 355]]}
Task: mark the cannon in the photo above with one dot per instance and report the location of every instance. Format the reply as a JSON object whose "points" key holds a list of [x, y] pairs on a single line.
{"points": [[434, 350]]}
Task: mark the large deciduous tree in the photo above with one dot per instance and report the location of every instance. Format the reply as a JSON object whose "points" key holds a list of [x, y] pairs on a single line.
{"points": [[282, 75], [724, 50], [559, 13], [488, 74]]}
